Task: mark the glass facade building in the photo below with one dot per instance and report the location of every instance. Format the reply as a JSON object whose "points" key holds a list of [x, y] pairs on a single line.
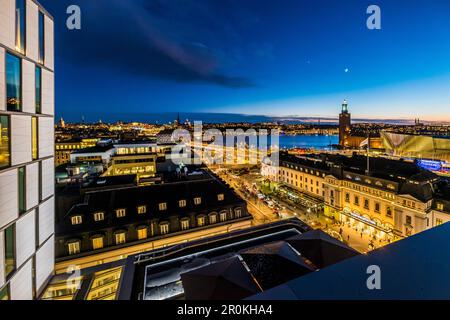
{"points": [[26, 149]]}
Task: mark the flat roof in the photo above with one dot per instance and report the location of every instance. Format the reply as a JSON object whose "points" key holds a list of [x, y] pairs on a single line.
{"points": [[411, 269]]}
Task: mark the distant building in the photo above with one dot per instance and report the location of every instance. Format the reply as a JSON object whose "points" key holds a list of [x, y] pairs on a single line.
{"points": [[63, 149], [344, 125], [420, 146], [395, 199]]}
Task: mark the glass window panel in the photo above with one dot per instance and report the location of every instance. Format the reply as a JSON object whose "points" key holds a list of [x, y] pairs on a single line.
{"points": [[13, 83], [10, 250], [34, 137], [4, 293], [20, 26], [5, 155], [41, 38], [38, 76], [22, 202]]}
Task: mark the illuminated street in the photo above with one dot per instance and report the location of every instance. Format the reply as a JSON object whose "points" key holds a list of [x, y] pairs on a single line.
{"points": [[263, 214]]}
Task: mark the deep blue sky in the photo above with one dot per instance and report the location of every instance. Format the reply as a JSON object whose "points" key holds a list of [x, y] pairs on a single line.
{"points": [[272, 57]]}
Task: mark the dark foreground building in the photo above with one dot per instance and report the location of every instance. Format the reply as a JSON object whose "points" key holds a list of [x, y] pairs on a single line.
{"points": [[116, 217], [276, 261], [234, 266]]}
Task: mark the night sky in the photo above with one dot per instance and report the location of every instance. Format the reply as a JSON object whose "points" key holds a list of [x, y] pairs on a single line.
{"points": [[277, 57]]}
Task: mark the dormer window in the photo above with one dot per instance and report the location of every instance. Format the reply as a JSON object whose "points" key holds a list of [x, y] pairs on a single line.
{"points": [[197, 201], [220, 197], [77, 220], [120, 213], [73, 247], [99, 216], [141, 209], [163, 206], [440, 206], [182, 203]]}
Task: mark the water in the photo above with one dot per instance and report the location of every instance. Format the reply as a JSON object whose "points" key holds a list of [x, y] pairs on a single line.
{"points": [[308, 141]]}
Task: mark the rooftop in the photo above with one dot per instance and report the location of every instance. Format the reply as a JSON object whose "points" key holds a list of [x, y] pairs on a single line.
{"points": [[414, 268], [107, 200], [247, 260]]}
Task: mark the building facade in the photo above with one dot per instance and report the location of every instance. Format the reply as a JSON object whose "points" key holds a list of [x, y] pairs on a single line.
{"points": [[63, 149], [389, 199], [26, 149]]}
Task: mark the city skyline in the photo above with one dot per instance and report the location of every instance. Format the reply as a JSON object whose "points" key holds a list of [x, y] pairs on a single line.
{"points": [[290, 59]]}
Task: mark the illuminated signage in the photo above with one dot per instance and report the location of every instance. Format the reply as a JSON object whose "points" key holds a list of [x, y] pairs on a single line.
{"points": [[431, 165]]}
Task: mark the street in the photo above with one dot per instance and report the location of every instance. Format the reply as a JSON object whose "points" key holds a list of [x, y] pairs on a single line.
{"points": [[358, 239]]}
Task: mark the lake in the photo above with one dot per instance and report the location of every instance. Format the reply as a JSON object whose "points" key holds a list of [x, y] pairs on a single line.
{"points": [[308, 141]]}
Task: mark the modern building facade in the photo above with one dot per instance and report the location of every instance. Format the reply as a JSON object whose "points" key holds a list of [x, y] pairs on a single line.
{"points": [[416, 145], [26, 149]]}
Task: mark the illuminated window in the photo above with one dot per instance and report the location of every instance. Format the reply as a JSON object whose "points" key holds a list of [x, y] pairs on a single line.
{"points": [[73, 247], [13, 83], [97, 243], [439, 222], [201, 221], [184, 224], [220, 197], [34, 138], [163, 206], [142, 209], [238, 212], [142, 233], [20, 26], [197, 201], [182, 203], [440, 206], [212, 218], [99, 216], [223, 216], [120, 237], [164, 228], [77, 220], [120, 213]]}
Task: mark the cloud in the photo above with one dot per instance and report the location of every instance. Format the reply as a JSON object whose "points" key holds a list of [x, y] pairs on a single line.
{"points": [[175, 41]]}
